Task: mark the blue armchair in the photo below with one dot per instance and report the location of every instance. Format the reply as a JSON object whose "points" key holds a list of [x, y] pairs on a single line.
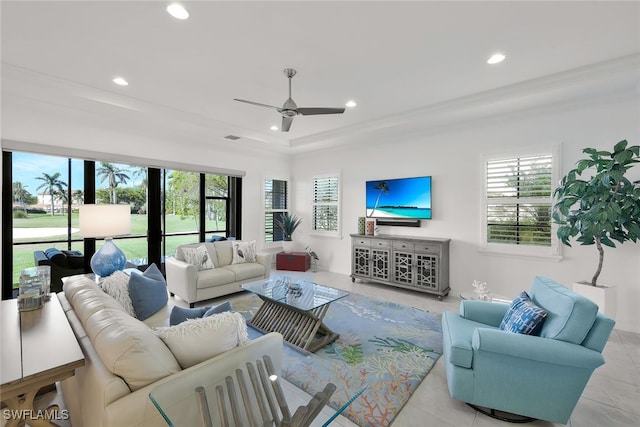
{"points": [[533, 376]]}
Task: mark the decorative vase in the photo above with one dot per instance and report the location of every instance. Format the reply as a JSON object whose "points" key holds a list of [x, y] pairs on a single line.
{"points": [[287, 246], [603, 295], [361, 224], [371, 227], [108, 259]]}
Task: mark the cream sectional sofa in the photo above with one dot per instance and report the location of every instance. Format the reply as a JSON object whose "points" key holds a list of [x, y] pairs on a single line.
{"points": [[185, 281], [125, 360]]}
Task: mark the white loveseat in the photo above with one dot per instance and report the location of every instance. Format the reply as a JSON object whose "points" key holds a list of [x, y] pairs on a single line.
{"points": [[185, 281], [125, 360]]}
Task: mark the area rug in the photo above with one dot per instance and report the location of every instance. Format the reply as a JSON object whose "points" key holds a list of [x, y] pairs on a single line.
{"points": [[388, 347]]}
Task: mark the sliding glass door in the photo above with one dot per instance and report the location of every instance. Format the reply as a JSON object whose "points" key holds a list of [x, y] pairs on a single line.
{"points": [[42, 195]]}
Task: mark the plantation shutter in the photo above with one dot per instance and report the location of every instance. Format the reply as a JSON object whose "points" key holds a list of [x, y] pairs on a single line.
{"points": [[518, 200], [276, 204], [326, 200]]}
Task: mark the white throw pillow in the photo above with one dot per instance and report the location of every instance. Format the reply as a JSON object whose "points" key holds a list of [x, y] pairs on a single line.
{"points": [[117, 286], [199, 257], [244, 252], [196, 340]]}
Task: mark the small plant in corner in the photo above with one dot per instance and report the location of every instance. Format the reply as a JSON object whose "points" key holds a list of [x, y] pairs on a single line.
{"points": [[287, 225], [597, 202]]}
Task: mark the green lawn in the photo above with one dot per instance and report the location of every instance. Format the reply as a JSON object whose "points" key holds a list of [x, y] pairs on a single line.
{"points": [[132, 247]]}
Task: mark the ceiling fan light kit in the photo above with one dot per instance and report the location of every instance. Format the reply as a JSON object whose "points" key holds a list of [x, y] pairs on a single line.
{"points": [[290, 109]]}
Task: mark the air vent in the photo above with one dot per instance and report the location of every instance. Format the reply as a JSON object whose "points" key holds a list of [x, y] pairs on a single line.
{"points": [[232, 137]]}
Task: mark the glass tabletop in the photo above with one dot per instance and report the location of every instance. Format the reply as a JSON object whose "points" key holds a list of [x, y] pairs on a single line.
{"points": [[232, 395], [300, 294]]}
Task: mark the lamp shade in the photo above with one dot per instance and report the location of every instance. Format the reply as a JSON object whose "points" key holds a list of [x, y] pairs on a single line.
{"points": [[105, 220]]}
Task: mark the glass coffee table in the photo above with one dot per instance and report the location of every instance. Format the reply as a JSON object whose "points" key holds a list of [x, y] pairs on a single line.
{"points": [[295, 308], [248, 396]]}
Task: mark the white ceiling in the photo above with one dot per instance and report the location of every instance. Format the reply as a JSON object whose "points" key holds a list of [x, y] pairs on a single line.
{"points": [[397, 60]]}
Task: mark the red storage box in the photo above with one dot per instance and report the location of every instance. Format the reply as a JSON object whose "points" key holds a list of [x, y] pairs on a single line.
{"points": [[294, 261]]}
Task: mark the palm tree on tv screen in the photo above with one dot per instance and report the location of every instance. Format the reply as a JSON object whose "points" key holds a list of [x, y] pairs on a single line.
{"points": [[115, 176], [383, 188], [51, 184]]}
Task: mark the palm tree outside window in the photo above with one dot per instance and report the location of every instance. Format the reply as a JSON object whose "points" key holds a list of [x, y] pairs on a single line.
{"points": [[51, 184], [114, 176]]}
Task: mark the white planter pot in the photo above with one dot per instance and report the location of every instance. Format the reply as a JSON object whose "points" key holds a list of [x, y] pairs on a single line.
{"points": [[287, 246], [605, 296]]}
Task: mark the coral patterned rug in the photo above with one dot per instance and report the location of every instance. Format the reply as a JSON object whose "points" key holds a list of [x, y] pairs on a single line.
{"points": [[388, 347]]}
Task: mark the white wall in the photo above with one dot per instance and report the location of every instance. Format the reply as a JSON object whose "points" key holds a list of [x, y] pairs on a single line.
{"points": [[454, 159]]}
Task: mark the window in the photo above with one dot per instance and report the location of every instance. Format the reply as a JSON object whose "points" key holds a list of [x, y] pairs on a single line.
{"points": [[326, 205], [40, 209], [276, 205], [518, 201], [183, 198], [46, 193], [216, 204]]}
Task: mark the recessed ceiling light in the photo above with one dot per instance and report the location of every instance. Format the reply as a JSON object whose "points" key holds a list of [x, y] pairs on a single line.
{"points": [[351, 104], [274, 127], [177, 11], [496, 58], [120, 81]]}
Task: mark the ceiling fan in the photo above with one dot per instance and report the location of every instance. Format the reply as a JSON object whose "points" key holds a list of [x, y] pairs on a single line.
{"points": [[289, 109]]}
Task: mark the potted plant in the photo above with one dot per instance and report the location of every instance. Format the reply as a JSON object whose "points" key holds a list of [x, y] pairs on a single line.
{"points": [[599, 205], [287, 224]]}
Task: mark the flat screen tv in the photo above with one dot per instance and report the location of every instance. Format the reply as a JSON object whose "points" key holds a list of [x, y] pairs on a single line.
{"points": [[400, 198]]}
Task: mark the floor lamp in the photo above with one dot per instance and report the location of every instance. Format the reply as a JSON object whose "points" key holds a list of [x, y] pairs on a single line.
{"points": [[106, 221]]}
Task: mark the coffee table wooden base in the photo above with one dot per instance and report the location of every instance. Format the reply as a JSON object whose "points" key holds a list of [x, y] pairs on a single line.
{"points": [[304, 329]]}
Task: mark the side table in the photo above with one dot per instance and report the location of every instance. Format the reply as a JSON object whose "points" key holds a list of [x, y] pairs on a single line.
{"points": [[39, 348]]}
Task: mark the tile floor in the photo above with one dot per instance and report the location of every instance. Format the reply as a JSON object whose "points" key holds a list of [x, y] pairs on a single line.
{"points": [[611, 399]]}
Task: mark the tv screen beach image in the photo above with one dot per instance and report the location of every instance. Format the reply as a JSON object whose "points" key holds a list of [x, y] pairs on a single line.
{"points": [[408, 198]]}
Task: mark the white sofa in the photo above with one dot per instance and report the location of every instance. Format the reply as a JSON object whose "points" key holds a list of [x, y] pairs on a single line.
{"points": [[125, 360], [185, 281]]}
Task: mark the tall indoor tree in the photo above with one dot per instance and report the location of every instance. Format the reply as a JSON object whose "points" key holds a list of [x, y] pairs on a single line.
{"points": [[598, 203]]}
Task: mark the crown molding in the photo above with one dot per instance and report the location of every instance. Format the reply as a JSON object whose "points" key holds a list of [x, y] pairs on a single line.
{"points": [[603, 79]]}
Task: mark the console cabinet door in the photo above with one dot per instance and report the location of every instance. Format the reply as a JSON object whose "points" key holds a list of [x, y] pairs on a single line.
{"points": [[361, 265], [380, 264], [403, 267], [427, 266]]}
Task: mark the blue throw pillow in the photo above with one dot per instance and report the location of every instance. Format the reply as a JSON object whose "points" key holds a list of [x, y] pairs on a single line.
{"points": [[180, 314], [148, 292], [57, 257], [217, 309], [523, 316]]}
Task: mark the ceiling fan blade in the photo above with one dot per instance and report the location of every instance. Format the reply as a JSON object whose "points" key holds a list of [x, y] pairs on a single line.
{"points": [[256, 103], [286, 123], [319, 110]]}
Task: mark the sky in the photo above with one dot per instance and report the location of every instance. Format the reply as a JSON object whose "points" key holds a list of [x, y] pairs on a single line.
{"points": [[26, 167]]}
